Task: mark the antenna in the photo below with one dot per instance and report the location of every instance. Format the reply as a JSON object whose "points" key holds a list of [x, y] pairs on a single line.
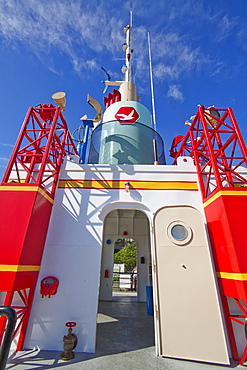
{"points": [[127, 30], [127, 88], [108, 78], [151, 81]]}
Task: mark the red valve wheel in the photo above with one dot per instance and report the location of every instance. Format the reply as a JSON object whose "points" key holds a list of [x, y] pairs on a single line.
{"points": [[70, 324]]}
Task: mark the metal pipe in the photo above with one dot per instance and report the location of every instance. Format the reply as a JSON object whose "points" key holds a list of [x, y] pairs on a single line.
{"points": [[151, 81], [85, 143], [10, 313], [156, 158]]}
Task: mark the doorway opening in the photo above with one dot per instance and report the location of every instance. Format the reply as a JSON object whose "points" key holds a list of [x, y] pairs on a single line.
{"points": [[123, 318], [126, 235]]}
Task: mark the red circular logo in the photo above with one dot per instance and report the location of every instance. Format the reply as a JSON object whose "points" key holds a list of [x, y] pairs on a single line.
{"points": [[127, 115]]}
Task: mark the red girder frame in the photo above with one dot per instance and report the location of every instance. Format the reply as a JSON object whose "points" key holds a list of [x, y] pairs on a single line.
{"points": [[218, 149], [26, 197], [43, 142], [215, 143]]}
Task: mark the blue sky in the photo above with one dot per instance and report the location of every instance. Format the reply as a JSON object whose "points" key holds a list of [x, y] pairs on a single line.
{"points": [[199, 52]]}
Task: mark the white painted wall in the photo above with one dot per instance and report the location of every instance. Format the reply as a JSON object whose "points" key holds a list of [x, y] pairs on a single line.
{"points": [[74, 245]]}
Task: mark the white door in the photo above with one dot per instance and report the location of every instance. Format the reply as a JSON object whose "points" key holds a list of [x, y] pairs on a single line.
{"points": [[190, 318]]}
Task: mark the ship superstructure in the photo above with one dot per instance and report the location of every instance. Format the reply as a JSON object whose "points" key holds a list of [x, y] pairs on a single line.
{"points": [[64, 214]]}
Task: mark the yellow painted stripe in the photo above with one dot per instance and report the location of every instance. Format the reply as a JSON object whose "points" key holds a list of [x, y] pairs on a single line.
{"points": [[212, 199], [27, 188], [42, 192], [115, 184], [232, 275], [18, 268], [19, 188], [224, 192]]}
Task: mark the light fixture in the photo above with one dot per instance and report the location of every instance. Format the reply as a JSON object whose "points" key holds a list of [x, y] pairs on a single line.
{"points": [[126, 28], [60, 99], [213, 112], [124, 69], [127, 187], [124, 47]]}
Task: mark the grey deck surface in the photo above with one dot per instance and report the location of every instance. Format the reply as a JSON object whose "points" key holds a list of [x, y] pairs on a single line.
{"points": [[125, 340]]}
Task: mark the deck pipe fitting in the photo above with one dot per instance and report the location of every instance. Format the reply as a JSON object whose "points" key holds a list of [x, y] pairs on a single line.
{"points": [[69, 343]]}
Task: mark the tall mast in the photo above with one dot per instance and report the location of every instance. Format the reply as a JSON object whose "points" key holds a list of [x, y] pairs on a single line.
{"points": [[127, 88], [128, 30], [151, 81]]}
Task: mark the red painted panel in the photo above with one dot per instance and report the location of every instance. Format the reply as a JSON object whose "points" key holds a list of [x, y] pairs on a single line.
{"points": [[15, 210], [12, 281], [226, 220], [36, 231], [23, 229], [234, 288], [236, 208]]}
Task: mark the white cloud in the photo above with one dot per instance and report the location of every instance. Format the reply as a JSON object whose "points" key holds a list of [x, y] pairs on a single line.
{"points": [[226, 26], [91, 31], [5, 144], [3, 162], [45, 27], [69, 27], [219, 67], [176, 56], [174, 92], [92, 64], [161, 70]]}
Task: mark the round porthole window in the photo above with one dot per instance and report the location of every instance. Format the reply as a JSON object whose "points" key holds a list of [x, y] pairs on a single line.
{"points": [[179, 232]]}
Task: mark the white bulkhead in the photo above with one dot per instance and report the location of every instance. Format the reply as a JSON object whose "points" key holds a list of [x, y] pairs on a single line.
{"points": [[76, 253]]}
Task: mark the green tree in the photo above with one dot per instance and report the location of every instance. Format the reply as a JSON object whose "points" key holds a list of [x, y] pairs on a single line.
{"points": [[126, 255]]}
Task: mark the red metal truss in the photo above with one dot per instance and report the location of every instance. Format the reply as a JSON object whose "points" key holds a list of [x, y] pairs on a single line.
{"points": [[43, 142], [217, 146], [241, 319], [26, 197], [22, 310], [215, 143]]}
